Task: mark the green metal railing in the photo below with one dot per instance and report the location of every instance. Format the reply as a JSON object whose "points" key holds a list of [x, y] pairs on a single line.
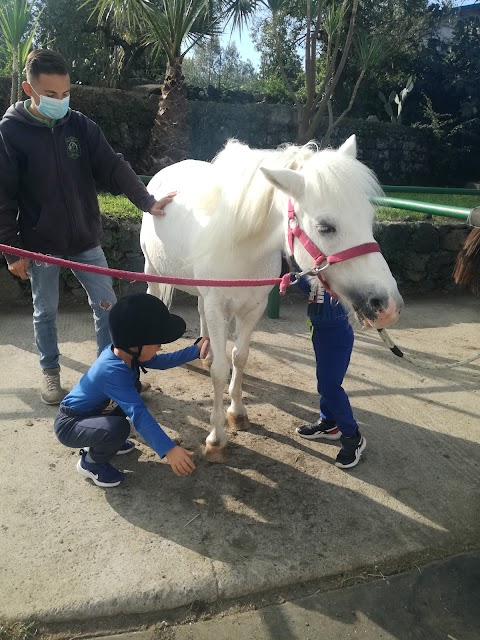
{"points": [[424, 207]]}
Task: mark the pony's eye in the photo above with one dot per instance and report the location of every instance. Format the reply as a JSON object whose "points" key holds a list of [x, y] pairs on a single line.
{"points": [[324, 228]]}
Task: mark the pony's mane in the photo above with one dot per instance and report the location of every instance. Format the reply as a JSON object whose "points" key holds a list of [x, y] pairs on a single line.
{"points": [[467, 264], [239, 203]]}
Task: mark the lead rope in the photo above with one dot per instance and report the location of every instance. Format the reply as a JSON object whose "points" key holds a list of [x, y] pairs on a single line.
{"points": [[424, 364]]}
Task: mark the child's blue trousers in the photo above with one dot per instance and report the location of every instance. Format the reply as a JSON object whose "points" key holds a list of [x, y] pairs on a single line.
{"points": [[333, 346], [104, 434]]}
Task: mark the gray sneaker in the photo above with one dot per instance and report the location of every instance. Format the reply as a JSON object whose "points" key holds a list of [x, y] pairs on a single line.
{"points": [[52, 392]]}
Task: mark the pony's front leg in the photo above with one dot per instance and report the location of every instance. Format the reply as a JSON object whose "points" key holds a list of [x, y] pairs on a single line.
{"points": [[236, 412], [207, 361], [216, 442]]}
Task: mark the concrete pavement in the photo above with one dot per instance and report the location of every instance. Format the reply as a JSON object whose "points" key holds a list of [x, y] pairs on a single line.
{"points": [[278, 512], [436, 602]]}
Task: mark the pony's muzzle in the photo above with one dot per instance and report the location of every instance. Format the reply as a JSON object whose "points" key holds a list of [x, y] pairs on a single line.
{"points": [[378, 311]]}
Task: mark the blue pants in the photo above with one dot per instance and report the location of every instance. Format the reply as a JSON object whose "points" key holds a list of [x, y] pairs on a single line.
{"points": [[104, 434], [333, 347], [44, 280]]}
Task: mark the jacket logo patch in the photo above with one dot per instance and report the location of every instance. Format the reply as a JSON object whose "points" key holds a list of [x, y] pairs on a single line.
{"points": [[73, 147]]}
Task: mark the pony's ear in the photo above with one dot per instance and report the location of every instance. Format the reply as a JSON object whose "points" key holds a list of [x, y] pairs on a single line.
{"points": [[288, 181], [349, 147]]}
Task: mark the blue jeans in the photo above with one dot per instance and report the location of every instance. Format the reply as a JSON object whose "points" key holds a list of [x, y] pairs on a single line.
{"points": [[44, 279], [333, 347]]}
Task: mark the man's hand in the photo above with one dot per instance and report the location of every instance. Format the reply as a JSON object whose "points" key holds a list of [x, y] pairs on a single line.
{"points": [[203, 345], [179, 459], [157, 209], [19, 268]]}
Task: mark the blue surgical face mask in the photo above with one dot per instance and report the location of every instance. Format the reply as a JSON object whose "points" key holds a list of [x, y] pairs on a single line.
{"points": [[52, 107]]}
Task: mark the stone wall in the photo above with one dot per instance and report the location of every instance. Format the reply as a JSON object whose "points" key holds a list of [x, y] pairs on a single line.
{"points": [[421, 256], [397, 154]]}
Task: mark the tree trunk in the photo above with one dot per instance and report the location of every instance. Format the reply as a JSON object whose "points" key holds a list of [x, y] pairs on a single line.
{"points": [[318, 99], [14, 90], [169, 142], [19, 87], [303, 124], [131, 57]]}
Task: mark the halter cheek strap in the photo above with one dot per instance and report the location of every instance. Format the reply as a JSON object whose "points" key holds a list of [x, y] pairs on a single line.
{"points": [[294, 231]]}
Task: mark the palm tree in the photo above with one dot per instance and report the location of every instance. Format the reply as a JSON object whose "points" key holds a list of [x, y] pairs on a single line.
{"points": [[330, 35], [174, 27], [17, 27]]}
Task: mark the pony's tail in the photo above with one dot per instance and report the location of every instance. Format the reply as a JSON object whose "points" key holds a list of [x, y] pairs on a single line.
{"points": [[467, 265], [162, 291]]}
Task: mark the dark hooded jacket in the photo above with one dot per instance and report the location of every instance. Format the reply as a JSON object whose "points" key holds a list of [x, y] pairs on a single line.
{"points": [[49, 178]]}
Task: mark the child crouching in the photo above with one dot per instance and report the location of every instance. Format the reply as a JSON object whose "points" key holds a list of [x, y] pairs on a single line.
{"points": [[139, 325]]}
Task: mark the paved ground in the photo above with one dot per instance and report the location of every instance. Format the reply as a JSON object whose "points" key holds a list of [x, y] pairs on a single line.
{"points": [[278, 513], [438, 602]]}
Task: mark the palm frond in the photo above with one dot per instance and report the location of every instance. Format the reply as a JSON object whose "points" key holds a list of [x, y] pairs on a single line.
{"points": [[370, 50], [16, 25], [174, 26], [180, 21], [239, 12], [120, 12], [333, 18]]}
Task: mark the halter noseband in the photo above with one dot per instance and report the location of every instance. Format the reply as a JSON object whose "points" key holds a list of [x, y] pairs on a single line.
{"points": [[321, 260]]}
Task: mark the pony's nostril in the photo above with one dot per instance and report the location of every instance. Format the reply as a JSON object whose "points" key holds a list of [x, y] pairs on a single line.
{"points": [[376, 304]]}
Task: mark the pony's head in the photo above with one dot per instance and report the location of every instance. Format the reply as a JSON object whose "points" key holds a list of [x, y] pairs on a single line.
{"points": [[331, 192]]}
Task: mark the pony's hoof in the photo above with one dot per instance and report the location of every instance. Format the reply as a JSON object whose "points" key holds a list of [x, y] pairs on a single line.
{"points": [[216, 454], [240, 423]]}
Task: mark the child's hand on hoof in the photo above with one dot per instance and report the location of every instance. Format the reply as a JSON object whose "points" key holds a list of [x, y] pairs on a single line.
{"points": [[180, 460], [203, 346]]}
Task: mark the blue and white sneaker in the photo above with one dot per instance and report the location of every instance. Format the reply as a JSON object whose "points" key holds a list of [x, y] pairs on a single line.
{"points": [[126, 447], [103, 474]]}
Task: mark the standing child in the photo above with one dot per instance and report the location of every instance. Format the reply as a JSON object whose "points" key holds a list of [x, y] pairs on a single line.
{"points": [[139, 325], [332, 337]]}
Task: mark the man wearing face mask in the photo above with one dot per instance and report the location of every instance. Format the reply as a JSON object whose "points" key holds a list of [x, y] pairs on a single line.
{"points": [[51, 160]]}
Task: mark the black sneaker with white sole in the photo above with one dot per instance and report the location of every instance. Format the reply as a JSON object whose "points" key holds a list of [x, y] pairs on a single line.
{"points": [[351, 451], [319, 430]]}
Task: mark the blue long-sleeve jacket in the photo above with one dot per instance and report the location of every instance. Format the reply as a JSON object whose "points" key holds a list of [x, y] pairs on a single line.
{"points": [[110, 378]]}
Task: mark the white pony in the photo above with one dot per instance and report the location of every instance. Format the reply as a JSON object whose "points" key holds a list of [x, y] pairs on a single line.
{"points": [[229, 220]]}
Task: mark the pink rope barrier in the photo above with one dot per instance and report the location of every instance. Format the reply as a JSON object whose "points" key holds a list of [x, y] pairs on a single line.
{"points": [[135, 276]]}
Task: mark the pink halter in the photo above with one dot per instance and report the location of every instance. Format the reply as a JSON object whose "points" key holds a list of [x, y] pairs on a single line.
{"points": [[294, 231]]}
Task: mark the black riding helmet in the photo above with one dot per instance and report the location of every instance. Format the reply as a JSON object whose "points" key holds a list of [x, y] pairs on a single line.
{"points": [[141, 319]]}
